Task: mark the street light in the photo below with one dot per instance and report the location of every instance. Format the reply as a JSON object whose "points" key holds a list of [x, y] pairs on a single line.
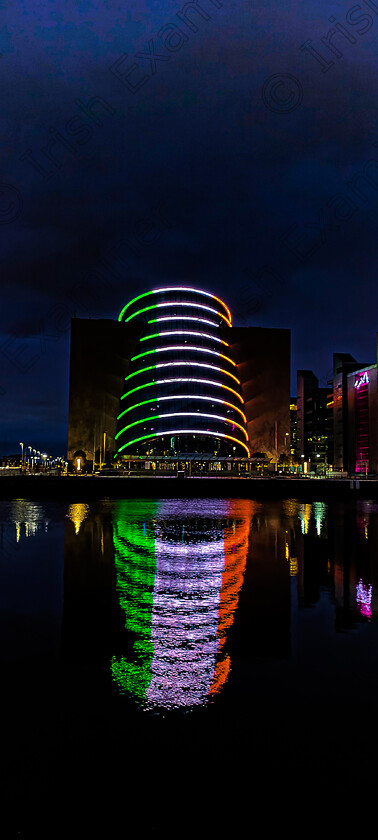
{"points": [[22, 454]]}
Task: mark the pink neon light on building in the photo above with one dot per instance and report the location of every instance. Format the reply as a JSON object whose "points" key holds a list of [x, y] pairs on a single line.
{"points": [[361, 385], [363, 380]]}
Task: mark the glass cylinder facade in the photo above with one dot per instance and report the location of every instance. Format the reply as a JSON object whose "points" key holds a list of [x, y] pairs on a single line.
{"points": [[182, 393]]}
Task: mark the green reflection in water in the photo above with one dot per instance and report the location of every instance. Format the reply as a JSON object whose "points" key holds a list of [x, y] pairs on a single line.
{"points": [[135, 565]]}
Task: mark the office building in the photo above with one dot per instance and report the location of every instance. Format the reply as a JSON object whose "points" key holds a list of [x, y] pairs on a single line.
{"points": [[314, 423]]}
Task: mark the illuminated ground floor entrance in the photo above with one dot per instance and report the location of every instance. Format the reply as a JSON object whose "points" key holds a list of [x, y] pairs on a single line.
{"points": [[190, 464]]}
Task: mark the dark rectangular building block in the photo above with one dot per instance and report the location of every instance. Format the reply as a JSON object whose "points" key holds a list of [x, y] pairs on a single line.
{"points": [[262, 355], [99, 360]]}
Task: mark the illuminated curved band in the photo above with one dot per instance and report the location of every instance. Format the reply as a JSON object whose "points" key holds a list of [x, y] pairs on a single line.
{"points": [[184, 432], [184, 414], [183, 332], [184, 397], [163, 433], [187, 304], [176, 347], [171, 318], [182, 364], [182, 379], [175, 289]]}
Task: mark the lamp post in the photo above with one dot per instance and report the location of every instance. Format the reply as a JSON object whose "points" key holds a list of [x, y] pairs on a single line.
{"points": [[275, 446], [22, 454], [287, 434]]}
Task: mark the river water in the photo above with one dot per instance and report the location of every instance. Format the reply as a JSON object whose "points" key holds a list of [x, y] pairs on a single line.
{"points": [[168, 664]]}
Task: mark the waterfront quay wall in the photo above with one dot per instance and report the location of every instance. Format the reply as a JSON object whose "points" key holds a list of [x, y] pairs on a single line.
{"points": [[79, 488]]}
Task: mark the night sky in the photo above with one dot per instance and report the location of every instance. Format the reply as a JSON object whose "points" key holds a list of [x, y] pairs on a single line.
{"points": [[215, 154]]}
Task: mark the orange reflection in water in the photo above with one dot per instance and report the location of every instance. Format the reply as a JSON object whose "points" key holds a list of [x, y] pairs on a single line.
{"points": [[236, 541]]}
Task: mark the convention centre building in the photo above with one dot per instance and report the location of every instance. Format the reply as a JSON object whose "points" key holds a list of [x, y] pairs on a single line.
{"points": [[173, 385]]}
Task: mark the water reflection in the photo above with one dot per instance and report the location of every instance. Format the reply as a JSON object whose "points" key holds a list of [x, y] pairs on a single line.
{"points": [[179, 568], [28, 518], [168, 597], [304, 517], [320, 510], [363, 598], [77, 513]]}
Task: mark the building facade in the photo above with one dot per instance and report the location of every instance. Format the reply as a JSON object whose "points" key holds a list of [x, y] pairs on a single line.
{"points": [[314, 422], [293, 427], [355, 414], [182, 391], [99, 360], [363, 420], [173, 379], [262, 356], [343, 365]]}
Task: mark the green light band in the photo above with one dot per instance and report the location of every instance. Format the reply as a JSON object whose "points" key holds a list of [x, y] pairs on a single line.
{"points": [[138, 388], [133, 301], [141, 370], [146, 353], [140, 312], [147, 337]]}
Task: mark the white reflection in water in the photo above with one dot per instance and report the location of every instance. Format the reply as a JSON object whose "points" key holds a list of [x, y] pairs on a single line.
{"points": [[320, 510], [184, 625], [28, 517], [178, 581]]}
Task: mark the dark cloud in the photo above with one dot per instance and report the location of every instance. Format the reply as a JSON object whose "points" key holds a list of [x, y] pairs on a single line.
{"points": [[228, 175]]}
